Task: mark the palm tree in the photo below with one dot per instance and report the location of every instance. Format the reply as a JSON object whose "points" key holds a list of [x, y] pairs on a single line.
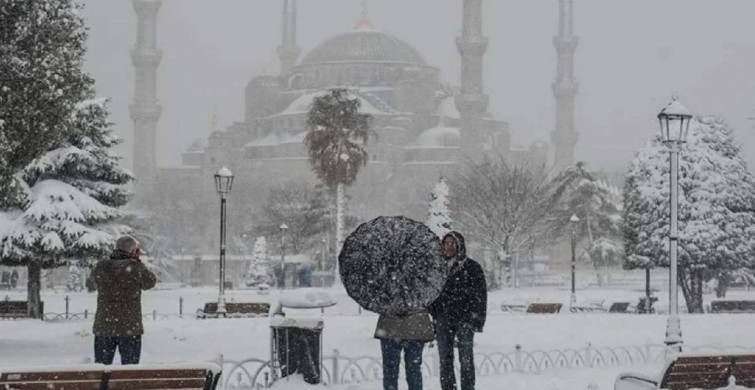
{"points": [[335, 143]]}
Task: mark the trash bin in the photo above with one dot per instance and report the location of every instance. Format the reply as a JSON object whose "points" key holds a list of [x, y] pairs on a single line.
{"points": [[296, 347]]}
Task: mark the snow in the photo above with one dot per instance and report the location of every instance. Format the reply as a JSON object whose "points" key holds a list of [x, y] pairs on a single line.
{"points": [[291, 322], [30, 343], [302, 104], [306, 298], [438, 137], [224, 172], [676, 109]]}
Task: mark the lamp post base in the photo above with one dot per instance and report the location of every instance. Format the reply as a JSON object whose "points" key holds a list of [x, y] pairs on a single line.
{"points": [[573, 299], [673, 336], [221, 307]]}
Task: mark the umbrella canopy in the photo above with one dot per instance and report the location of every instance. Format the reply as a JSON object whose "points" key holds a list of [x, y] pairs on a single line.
{"points": [[393, 265]]}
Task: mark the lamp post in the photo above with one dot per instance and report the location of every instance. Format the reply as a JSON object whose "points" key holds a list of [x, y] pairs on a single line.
{"points": [[674, 120], [283, 227], [573, 221], [223, 184]]}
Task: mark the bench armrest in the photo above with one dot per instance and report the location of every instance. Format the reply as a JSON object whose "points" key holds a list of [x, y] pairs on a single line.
{"points": [[635, 381]]}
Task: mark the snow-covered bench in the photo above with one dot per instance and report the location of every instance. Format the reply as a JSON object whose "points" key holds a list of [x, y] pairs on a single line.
{"points": [[695, 371], [544, 308], [235, 309], [732, 306], [100, 377], [16, 309]]}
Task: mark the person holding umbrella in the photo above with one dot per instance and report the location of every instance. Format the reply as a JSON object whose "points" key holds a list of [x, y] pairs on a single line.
{"points": [[409, 334], [459, 312]]}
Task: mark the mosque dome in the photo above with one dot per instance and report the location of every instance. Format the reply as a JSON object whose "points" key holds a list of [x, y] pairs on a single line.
{"points": [[364, 45]]}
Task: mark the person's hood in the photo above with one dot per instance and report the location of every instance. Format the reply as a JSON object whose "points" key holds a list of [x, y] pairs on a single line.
{"points": [[461, 247], [120, 255]]}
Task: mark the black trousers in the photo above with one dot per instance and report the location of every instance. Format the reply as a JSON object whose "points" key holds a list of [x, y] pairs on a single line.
{"points": [[130, 348]]}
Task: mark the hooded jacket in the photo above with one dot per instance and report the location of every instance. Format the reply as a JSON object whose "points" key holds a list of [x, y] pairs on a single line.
{"points": [[464, 297], [120, 281]]}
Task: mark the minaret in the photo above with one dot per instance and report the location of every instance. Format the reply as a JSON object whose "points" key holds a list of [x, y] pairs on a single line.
{"points": [[145, 110], [565, 88], [470, 101], [288, 52]]}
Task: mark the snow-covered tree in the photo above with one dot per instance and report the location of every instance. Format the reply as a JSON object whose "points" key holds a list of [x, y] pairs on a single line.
{"points": [[75, 280], [42, 50], [72, 199], [506, 207], [258, 271], [716, 208], [335, 143], [438, 212], [598, 206]]}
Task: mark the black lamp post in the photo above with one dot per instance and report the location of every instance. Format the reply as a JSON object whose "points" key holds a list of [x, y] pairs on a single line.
{"points": [[283, 227], [223, 185], [674, 121], [573, 221]]}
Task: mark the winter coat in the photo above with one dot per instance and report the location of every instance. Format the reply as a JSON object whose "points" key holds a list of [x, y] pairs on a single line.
{"points": [[417, 326], [464, 297], [120, 281]]}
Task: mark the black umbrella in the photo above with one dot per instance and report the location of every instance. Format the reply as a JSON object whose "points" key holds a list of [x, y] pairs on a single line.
{"points": [[393, 265]]}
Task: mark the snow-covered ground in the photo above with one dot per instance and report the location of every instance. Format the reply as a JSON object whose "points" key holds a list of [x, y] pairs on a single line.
{"points": [[173, 339]]}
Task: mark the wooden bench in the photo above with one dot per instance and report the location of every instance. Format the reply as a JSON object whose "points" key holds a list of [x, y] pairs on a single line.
{"points": [[101, 377], [16, 309], [695, 371], [544, 308], [235, 309], [731, 306], [619, 307]]}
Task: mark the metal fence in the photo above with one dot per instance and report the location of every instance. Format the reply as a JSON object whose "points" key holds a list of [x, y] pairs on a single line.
{"points": [[255, 373]]}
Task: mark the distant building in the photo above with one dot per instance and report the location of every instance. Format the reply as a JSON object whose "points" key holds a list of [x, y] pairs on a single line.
{"points": [[424, 128]]}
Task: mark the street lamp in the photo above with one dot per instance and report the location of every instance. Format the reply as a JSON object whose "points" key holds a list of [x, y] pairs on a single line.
{"points": [[223, 185], [283, 227], [674, 121], [573, 221]]}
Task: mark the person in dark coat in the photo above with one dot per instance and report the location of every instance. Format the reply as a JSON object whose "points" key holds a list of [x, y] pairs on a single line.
{"points": [[13, 279], [118, 321], [459, 312], [409, 334]]}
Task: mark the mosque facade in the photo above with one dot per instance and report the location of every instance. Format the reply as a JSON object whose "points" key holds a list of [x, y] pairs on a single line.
{"points": [[425, 128]]}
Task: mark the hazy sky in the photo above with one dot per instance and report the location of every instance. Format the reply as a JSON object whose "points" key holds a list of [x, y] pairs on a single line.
{"points": [[632, 56]]}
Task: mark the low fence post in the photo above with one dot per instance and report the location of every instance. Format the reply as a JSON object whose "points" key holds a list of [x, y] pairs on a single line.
{"points": [[360, 310], [518, 359], [154, 315], [86, 313], [181, 307], [335, 366], [588, 355], [67, 299]]}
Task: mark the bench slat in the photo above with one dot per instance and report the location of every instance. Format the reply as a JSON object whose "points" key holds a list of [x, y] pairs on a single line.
{"points": [[704, 385], [73, 385], [686, 368], [11, 377], [156, 384], [158, 374]]}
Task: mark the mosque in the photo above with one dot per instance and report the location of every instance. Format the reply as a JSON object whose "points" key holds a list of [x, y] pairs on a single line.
{"points": [[424, 127]]}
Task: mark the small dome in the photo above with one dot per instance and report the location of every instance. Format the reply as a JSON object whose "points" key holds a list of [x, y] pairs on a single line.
{"points": [[439, 137], [364, 46]]}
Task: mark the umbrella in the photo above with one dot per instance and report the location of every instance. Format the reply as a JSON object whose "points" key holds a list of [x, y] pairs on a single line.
{"points": [[393, 266]]}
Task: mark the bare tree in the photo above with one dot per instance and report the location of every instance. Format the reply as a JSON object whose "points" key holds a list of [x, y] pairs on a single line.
{"points": [[507, 207]]}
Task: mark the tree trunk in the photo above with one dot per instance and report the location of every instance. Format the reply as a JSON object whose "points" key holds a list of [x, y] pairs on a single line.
{"points": [[722, 285], [691, 283], [34, 282], [339, 226]]}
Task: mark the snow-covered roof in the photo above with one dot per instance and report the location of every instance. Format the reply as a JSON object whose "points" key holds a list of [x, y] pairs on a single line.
{"points": [[676, 109], [437, 137], [448, 108], [303, 103], [276, 139]]}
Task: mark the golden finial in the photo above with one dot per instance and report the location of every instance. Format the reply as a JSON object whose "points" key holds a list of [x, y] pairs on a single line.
{"points": [[365, 23]]}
